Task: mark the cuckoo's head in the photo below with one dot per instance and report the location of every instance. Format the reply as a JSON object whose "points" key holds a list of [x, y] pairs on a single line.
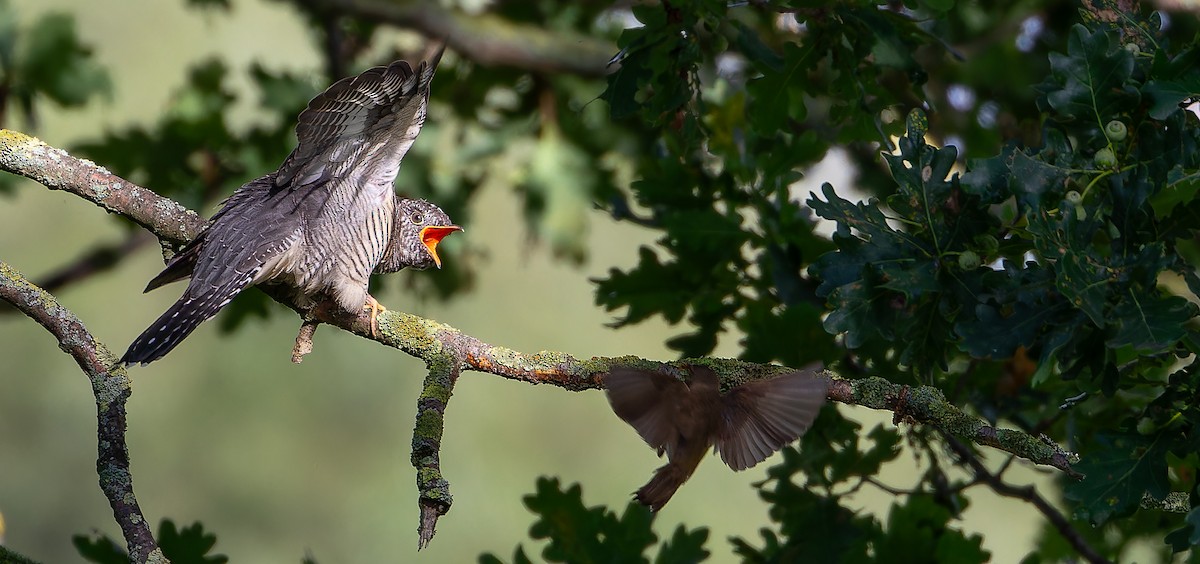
{"points": [[418, 228]]}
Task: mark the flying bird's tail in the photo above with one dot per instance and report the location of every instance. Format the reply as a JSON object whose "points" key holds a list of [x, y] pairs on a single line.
{"points": [[177, 323], [666, 481]]}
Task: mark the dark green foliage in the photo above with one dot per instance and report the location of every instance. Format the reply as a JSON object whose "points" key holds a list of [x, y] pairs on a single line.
{"points": [[193, 153], [1128, 467], [576, 533], [45, 59], [210, 4], [1090, 79], [1004, 241], [9, 557], [43, 62], [100, 549], [190, 545], [1055, 248]]}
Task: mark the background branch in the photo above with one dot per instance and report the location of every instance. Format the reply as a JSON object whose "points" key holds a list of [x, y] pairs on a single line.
{"points": [[1028, 494], [110, 386], [93, 261], [447, 350], [484, 38]]}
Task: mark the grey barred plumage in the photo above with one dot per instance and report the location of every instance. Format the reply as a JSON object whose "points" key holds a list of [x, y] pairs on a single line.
{"points": [[325, 221]]}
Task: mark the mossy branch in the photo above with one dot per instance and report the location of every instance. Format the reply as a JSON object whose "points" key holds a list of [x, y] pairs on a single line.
{"points": [[447, 350]]}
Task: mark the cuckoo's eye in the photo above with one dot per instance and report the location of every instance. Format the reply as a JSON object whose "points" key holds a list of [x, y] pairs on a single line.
{"points": [[417, 218]]}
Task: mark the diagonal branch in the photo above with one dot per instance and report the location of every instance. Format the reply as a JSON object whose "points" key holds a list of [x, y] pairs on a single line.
{"points": [[97, 260], [1028, 494], [111, 387], [447, 350], [56, 170]]}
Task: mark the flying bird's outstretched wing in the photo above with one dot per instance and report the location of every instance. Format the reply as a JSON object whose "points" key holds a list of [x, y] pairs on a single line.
{"points": [[763, 416]]}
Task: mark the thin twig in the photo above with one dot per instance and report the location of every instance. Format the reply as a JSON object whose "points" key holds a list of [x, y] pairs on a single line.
{"points": [[1028, 494], [335, 47]]}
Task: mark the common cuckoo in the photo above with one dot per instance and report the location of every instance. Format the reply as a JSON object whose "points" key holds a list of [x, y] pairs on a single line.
{"points": [[746, 424], [322, 223]]}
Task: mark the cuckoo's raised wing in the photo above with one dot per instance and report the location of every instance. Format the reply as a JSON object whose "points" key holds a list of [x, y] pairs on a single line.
{"points": [[376, 114]]}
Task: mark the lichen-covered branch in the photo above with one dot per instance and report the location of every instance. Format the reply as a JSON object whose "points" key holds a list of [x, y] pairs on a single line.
{"points": [[447, 350], [434, 490], [928, 405], [111, 387], [56, 170], [484, 38], [1174, 502]]}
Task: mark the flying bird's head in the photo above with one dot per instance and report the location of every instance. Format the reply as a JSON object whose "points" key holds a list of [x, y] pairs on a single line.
{"points": [[418, 228]]}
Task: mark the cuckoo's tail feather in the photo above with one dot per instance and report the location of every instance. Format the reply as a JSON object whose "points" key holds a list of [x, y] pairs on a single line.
{"points": [[180, 266], [174, 326]]}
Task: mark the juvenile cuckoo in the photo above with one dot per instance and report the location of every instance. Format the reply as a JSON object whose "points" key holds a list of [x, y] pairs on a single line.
{"points": [[322, 223], [746, 424]]}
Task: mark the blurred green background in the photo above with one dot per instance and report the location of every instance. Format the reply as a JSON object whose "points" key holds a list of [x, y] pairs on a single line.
{"points": [[278, 459]]}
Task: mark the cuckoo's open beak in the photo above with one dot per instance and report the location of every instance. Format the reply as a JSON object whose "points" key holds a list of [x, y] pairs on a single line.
{"points": [[433, 235]]}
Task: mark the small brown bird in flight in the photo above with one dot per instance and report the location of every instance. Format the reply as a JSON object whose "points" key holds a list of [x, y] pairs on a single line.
{"points": [[683, 419], [322, 223]]}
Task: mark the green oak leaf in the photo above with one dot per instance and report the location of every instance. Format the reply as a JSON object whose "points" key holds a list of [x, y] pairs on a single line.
{"points": [[1119, 469]]}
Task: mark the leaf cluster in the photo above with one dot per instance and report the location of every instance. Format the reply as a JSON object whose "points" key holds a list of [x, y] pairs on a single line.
{"points": [[743, 106], [44, 61], [189, 545], [576, 533], [1056, 252], [1059, 269]]}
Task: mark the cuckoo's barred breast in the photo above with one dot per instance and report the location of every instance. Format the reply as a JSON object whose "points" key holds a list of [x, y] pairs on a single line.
{"points": [[325, 220]]}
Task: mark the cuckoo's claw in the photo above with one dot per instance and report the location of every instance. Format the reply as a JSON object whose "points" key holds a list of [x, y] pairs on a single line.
{"points": [[375, 308]]}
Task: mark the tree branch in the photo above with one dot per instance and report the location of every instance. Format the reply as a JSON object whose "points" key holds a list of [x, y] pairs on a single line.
{"points": [[447, 351], [484, 38], [95, 261], [1030, 495], [110, 386], [927, 405], [56, 170], [1174, 502]]}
